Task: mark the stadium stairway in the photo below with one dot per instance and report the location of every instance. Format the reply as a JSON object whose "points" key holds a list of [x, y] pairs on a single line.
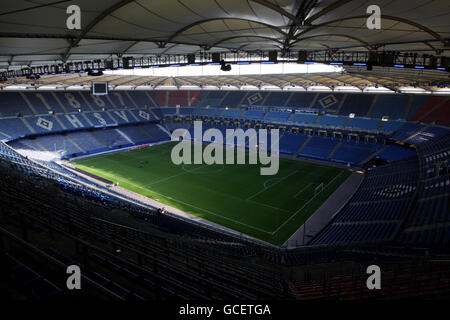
{"points": [[40, 145], [124, 136], [431, 110], [75, 143], [334, 149], [297, 152], [347, 122], [290, 116], [100, 138], [164, 129], [408, 108], [153, 113], [416, 133], [29, 127], [372, 107], [223, 98], [373, 155], [145, 133]]}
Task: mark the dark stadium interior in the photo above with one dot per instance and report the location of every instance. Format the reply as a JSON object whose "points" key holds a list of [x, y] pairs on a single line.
{"points": [[383, 117]]}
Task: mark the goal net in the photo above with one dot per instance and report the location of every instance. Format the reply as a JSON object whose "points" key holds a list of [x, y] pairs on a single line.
{"points": [[318, 189]]}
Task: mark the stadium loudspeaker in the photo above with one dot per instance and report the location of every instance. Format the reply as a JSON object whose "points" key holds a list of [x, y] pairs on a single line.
{"points": [[224, 66], [109, 64], [302, 56], [387, 59], [273, 56], [433, 62], [191, 58], [376, 58], [215, 57], [373, 57], [127, 63]]}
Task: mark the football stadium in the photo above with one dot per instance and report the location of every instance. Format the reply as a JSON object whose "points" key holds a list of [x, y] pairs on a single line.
{"points": [[225, 150]]}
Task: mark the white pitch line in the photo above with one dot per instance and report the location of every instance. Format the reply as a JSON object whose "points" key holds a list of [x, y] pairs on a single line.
{"points": [[264, 189], [296, 212], [265, 183], [188, 204], [175, 175], [213, 213], [303, 189], [269, 206]]}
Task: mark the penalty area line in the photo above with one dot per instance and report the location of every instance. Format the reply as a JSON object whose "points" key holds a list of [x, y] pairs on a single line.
{"points": [[296, 212], [267, 188], [188, 204], [303, 189]]}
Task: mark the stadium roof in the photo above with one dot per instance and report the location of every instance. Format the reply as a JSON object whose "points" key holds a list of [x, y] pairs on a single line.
{"points": [[353, 79], [35, 32]]}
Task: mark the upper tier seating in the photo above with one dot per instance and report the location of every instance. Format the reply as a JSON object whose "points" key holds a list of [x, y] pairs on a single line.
{"points": [[254, 114], [277, 116], [232, 99], [303, 118], [186, 111], [391, 126], [394, 107], [276, 99], [329, 101], [300, 100], [232, 113], [359, 104], [168, 111], [417, 102], [364, 123], [177, 98], [332, 121], [210, 112], [210, 98], [12, 104]]}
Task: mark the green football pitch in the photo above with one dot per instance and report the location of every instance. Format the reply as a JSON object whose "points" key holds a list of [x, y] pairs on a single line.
{"points": [[270, 208]]}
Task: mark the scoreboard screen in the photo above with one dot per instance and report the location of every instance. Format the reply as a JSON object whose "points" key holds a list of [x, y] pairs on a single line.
{"points": [[99, 88]]}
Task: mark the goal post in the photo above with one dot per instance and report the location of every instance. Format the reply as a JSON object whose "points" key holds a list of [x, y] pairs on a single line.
{"points": [[318, 189]]}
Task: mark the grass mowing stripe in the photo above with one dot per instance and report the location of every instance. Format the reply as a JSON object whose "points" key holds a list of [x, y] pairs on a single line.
{"points": [[174, 176], [213, 213], [269, 206], [295, 213], [266, 188], [218, 193], [191, 205]]}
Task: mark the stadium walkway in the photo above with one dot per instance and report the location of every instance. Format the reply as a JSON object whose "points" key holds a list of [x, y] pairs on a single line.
{"points": [[329, 208]]}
